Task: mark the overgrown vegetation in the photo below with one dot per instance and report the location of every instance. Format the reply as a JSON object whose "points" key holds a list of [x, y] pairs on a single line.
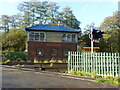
{"points": [[15, 40], [107, 79], [113, 80], [8, 57], [11, 57], [50, 61]]}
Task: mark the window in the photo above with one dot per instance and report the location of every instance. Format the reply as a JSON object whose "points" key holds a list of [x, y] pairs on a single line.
{"points": [[66, 52], [31, 36], [36, 36], [64, 37], [40, 52], [42, 36], [53, 52], [73, 38], [69, 38]]}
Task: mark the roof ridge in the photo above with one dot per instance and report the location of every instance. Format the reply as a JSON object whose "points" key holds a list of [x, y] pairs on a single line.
{"points": [[50, 27]]}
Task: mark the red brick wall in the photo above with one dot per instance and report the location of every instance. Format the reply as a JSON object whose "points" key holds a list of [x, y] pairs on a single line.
{"points": [[47, 46]]}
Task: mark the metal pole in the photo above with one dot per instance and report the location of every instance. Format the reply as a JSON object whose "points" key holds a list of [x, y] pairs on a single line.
{"points": [[91, 39]]}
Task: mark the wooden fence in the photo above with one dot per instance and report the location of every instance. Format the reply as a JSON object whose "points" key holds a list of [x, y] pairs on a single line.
{"points": [[104, 64]]}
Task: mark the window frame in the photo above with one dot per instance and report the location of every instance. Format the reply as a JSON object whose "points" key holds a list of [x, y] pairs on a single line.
{"points": [[56, 51], [69, 38], [65, 52], [34, 36], [64, 38], [74, 38]]}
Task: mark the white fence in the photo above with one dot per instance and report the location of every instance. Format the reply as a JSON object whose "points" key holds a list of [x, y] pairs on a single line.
{"points": [[104, 64]]}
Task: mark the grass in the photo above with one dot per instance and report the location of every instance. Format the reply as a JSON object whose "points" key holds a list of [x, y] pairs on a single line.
{"points": [[112, 80], [100, 79]]}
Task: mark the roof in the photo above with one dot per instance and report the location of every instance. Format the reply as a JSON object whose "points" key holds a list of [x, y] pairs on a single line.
{"points": [[47, 27]]}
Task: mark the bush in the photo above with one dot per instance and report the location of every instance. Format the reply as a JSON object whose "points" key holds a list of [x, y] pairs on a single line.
{"points": [[35, 61], [13, 56], [45, 61], [53, 61], [73, 72], [114, 80], [60, 61]]}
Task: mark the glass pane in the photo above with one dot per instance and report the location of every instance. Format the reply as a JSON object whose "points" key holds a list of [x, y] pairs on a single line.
{"points": [[73, 38], [36, 36], [66, 52], [42, 36], [31, 36], [64, 37], [69, 38], [53, 52]]}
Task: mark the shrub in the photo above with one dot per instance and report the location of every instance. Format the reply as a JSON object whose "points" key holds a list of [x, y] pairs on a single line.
{"points": [[115, 80], [51, 64], [35, 61], [60, 61], [13, 56], [45, 61], [73, 72], [53, 61]]}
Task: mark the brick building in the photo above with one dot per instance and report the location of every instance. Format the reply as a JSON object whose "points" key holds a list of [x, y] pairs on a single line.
{"points": [[51, 41]]}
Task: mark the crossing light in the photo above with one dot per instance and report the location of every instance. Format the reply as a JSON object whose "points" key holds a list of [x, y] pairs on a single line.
{"points": [[97, 34]]}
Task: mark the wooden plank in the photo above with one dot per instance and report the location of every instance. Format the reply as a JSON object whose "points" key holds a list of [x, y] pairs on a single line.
{"points": [[110, 64], [102, 73], [84, 54], [107, 64], [96, 62], [89, 62], [69, 61], [75, 54], [104, 62], [77, 61], [116, 72]]}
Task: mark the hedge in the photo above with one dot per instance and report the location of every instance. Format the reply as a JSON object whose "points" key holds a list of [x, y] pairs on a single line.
{"points": [[13, 56]]}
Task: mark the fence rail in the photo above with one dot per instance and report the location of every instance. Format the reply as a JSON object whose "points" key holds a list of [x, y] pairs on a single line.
{"points": [[104, 64]]}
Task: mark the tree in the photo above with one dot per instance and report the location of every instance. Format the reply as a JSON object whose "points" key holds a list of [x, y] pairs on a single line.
{"points": [[25, 9], [112, 32], [5, 22], [52, 12], [41, 12], [69, 19], [15, 40], [15, 21], [47, 13]]}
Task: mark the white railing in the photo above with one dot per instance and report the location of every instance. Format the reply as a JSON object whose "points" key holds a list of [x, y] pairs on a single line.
{"points": [[104, 64]]}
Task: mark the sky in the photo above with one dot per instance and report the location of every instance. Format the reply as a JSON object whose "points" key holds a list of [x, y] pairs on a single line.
{"points": [[86, 11]]}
